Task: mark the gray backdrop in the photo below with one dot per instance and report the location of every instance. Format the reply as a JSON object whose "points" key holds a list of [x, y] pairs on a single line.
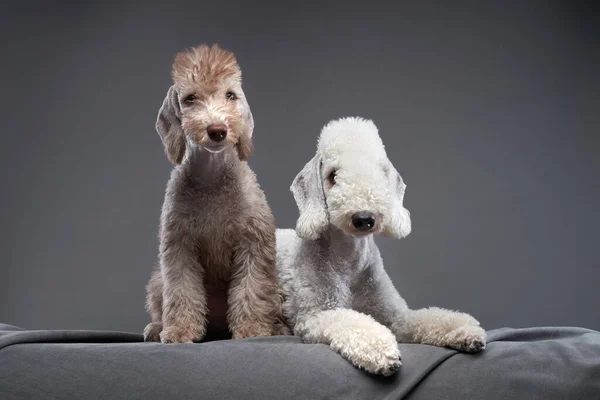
{"points": [[490, 112]]}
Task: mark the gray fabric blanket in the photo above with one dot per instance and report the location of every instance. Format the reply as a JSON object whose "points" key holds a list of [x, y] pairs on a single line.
{"points": [[534, 363]]}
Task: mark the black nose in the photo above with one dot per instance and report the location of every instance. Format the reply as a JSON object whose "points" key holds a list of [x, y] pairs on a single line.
{"points": [[216, 132], [363, 221]]}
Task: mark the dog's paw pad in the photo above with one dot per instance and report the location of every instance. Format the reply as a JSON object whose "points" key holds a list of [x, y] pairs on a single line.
{"points": [[390, 369], [468, 339], [473, 346]]}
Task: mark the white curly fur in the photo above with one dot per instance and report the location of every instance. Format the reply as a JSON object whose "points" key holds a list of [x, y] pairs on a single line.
{"points": [[336, 289], [354, 335]]}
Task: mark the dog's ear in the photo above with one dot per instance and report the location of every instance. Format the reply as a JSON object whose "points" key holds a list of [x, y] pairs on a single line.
{"points": [[168, 126], [307, 189], [397, 223], [244, 146]]}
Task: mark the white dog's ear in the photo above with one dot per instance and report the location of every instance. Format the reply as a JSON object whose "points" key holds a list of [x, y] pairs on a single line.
{"points": [[307, 189], [397, 224], [168, 126]]}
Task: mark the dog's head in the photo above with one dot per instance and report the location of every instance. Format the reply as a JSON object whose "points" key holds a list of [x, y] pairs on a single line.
{"points": [[351, 184], [206, 105]]}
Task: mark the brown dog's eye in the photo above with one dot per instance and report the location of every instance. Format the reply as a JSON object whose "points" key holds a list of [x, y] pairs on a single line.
{"points": [[331, 177], [190, 98], [231, 96]]}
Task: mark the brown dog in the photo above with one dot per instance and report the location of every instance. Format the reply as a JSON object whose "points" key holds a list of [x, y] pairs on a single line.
{"points": [[217, 232]]}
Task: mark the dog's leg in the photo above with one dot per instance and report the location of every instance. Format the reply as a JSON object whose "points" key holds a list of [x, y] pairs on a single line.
{"points": [[434, 326], [184, 295], [154, 307], [446, 328], [255, 301], [355, 336]]}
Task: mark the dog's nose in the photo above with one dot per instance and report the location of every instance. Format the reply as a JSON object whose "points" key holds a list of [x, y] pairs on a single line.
{"points": [[363, 221], [216, 132]]}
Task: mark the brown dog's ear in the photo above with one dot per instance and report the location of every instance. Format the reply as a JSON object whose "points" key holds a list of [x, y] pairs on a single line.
{"points": [[307, 189], [168, 126], [244, 145]]}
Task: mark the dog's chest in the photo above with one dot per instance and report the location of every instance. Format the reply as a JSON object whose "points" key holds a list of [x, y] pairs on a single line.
{"points": [[214, 224]]}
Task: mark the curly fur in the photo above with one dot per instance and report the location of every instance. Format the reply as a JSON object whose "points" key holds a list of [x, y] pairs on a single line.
{"points": [[217, 232], [335, 287]]}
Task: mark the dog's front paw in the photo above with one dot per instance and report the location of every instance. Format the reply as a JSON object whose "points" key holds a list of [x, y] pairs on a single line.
{"points": [[152, 332], [374, 352], [175, 334], [389, 364], [377, 357], [251, 330], [468, 339]]}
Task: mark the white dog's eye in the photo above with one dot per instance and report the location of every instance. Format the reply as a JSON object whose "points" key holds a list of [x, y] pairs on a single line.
{"points": [[331, 177], [231, 96], [190, 99]]}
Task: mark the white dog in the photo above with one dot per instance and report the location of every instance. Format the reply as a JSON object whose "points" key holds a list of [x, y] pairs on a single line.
{"points": [[336, 289]]}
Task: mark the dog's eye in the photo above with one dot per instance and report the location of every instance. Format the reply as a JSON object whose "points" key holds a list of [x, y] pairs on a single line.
{"points": [[190, 98], [231, 96], [331, 177]]}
